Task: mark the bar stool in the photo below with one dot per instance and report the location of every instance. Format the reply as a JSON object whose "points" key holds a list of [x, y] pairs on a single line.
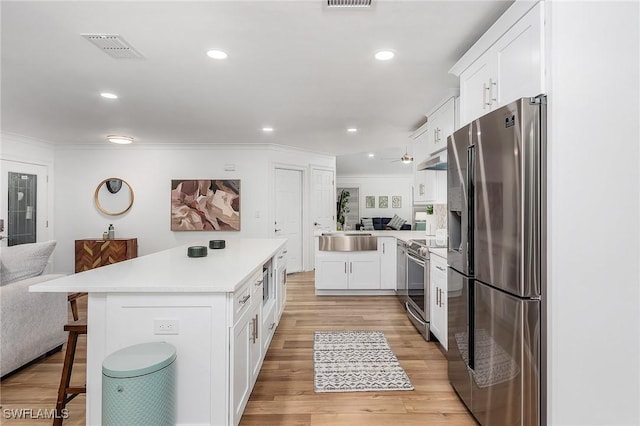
{"points": [[73, 301], [66, 392]]}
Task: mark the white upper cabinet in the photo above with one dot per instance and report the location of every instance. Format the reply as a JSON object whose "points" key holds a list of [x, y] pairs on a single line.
{"points": [[442, 124], [506, 64]]}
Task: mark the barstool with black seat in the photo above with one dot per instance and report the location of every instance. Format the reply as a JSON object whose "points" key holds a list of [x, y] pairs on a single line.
{"points": [[66, 392]]}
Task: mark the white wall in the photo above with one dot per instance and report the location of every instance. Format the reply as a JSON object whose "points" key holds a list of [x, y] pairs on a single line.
{"points": [[149, 170], [381, 185], [594, 213]]}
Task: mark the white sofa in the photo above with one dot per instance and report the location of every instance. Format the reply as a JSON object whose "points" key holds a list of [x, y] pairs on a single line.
{"points": [[31, 324]]}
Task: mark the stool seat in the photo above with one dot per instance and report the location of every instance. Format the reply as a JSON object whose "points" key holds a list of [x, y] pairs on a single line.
{"points": [[66, 392]]}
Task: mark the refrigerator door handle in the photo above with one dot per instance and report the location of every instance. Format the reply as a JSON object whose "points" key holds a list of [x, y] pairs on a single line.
{"points": [[471, 161]]}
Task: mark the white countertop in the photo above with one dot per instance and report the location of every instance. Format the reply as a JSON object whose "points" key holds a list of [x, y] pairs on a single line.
{"points": [[442, 252], [172, 271]]}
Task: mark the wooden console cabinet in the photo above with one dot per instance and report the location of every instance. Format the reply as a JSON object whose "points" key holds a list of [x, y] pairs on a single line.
{"points": [[93, 253]]}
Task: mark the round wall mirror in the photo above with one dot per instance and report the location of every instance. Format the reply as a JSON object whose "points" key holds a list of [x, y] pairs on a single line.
{"points": [[113, 196]]}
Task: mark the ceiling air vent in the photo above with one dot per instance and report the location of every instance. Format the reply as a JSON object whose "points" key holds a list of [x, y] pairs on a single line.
{"points": [[349, 3], [113, 45]]}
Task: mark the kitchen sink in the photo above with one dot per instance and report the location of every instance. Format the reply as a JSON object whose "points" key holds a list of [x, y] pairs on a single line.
{"points": [[348, 242]]}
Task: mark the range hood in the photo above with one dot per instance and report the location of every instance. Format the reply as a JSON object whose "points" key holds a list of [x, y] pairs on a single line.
{"points": [[437, 161]]}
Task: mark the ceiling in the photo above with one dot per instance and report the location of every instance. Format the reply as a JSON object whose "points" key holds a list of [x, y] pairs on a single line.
{"points": [[304, 69]]}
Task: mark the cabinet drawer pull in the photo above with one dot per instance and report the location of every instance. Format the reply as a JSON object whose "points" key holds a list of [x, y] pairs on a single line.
{"points": [[440, 268], [280, 257], [244, 299], [273, 324], [259, 282]]}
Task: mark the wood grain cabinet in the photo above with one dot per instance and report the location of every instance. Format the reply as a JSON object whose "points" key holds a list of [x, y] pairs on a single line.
{"points": [[93, 253]]}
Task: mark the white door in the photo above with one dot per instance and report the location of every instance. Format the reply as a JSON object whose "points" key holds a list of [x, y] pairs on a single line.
{"points": [[28, 209], [323, 199], [288, 207]]}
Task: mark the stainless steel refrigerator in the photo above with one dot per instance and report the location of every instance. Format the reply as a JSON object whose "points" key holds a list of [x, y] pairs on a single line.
{"points": [[496, 256]]}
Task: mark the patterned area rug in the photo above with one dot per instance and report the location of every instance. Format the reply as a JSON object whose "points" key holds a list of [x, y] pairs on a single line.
{"points": [[356, 361]]}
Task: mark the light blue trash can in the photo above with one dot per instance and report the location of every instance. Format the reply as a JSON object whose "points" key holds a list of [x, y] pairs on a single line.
{"points": [[139, 385]]}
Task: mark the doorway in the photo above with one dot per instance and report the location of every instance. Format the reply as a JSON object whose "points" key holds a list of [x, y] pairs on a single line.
{"points": [[288, 214], [24, 202]]}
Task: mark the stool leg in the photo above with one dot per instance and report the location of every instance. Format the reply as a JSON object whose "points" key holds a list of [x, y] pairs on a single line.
{"points": [[74, 309], [66, 377]]}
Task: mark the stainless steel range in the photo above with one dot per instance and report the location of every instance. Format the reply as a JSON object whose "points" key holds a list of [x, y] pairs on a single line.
{"points": [[417, 302]]}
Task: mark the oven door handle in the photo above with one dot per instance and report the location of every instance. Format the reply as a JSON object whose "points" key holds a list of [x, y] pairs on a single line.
{"points": [[415, 259], [410, 312]]}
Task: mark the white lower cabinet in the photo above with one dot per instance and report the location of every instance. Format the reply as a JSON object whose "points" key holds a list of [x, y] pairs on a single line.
{"points": [[387, 247], [269, 323], [243, 353], [246, 346], [438, 298], [348, 271]]}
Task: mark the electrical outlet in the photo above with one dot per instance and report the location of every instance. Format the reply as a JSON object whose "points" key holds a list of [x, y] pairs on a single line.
{"points": [[166, 326]]}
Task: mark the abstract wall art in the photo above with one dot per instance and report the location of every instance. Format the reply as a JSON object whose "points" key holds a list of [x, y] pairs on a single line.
{"points": [[396, 201], [205, 205]]}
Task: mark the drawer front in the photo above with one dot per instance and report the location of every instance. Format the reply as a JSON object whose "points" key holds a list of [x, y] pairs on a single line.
{"points": [[242, 300]]}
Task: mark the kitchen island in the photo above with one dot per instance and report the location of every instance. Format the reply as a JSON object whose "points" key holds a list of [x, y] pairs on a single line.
{"points": [[209, 308]]}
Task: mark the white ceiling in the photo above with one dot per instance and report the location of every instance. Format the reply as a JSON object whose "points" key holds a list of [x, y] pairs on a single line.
{"points": [[298, 66]]}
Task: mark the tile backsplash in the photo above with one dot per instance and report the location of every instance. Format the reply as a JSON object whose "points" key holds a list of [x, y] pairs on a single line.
{"points": [[438, 220], [440, 212]]}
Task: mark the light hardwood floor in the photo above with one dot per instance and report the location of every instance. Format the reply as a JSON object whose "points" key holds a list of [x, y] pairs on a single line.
{"points": [[283, 394]]}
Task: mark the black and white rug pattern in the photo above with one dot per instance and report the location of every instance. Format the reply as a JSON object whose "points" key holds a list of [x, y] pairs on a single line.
{"points": [[356, 361]]}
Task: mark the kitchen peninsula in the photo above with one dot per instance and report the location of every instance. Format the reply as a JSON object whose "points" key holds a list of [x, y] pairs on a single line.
{"points": [[214, 306]]}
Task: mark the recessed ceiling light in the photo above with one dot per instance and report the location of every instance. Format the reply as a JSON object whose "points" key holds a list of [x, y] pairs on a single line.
{"points": [[352, 130], [216, 54], [384, 55], [372, 155], [122, 140], [267, 129], [109, 95]]}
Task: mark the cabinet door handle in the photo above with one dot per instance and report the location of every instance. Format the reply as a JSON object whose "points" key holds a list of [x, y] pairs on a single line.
{"points": [[493, 97], [257, 322], [382, 248], [485, 89], [435, 135], [345, 267], [259, 282], [351, 267], [440, 268], [244, 299], [273, 324]]}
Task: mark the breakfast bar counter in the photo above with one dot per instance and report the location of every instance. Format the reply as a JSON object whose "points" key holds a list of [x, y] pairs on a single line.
{"points": [[208, 308]]}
